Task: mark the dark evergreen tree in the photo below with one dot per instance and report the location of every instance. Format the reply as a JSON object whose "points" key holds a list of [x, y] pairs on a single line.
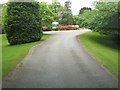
{"points": [[67, 17], [22, 22]]}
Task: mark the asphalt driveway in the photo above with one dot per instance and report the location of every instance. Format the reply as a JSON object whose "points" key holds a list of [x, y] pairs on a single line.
{"points": [[60, 62]]}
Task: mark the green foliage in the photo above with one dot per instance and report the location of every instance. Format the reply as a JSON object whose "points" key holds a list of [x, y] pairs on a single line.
{"points": [[63, 14], [22, 22], [84, 9], [67, 18], [104, 18], [55, 12], [46, 15], [58, 10]]}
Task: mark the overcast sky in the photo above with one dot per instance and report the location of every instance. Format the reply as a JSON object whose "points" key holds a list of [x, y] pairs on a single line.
{"points": [[76, 4]]}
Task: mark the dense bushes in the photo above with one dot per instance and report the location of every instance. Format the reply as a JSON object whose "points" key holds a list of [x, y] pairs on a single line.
{"points": [[22, 22], [104, 19]]}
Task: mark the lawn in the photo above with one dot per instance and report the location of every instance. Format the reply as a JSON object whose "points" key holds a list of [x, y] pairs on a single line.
{"points": [[0, 56], [12, 55], [103, 48]]}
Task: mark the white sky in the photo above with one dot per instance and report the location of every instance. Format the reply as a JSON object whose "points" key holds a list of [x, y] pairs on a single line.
{"points": [[76, 4]]}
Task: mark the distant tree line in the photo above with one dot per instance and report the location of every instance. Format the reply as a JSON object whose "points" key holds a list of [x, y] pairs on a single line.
{"points": [[105, 18], [22, 21], [49, 13]]}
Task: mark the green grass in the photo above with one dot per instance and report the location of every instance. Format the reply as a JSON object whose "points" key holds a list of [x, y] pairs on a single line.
{"points": [[0, 56], [12, 55], [103, 48]]}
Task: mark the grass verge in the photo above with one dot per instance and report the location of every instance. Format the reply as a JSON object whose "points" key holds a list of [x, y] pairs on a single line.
{"points": [[0, 56], [103, 48], [12, 55]]}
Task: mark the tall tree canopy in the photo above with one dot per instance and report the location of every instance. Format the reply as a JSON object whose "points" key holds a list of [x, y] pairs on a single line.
{"points": [[67, 17], [46, 14], [57, 8], [82, 10]]}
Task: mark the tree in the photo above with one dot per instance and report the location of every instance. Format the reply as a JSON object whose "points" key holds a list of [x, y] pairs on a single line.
{"points": [[57, 8], [108, 11], [22, 22], [104, 18], [82, 10], [67, 14], [46, 15]]}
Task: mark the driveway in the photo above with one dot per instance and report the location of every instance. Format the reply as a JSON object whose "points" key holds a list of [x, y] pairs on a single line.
{"points": [[60, 62]]}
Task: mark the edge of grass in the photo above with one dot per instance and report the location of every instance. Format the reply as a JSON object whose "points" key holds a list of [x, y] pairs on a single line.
{"points": [[20, 57], [97, 58]]}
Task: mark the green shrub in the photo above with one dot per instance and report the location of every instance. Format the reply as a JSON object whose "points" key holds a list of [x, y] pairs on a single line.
{"points": [[103, 19], [22, 22]]}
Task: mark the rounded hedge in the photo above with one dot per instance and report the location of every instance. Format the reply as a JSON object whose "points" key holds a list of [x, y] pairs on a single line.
{"points": [[22, 22]]}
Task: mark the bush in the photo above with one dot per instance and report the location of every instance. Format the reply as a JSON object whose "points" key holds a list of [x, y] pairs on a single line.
{"points": [[22, 22], [103, 19]]}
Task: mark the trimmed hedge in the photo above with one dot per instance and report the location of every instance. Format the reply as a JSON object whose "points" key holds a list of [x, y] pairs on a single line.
{"points": [[22, 22]]}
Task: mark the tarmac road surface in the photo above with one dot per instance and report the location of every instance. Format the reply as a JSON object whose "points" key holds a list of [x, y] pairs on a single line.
{"points": [[60, 62]]}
